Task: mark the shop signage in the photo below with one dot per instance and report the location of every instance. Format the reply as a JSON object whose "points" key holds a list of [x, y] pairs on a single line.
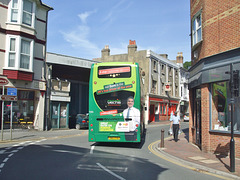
{"points": [[167, 87], [12, 91], [8, 98], [3, 81]]}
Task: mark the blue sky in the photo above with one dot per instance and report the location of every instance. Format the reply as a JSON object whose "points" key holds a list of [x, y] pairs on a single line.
{"points": [[82, 28]]}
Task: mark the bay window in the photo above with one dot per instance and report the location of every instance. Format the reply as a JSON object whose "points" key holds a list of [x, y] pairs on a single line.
{"points": [[22, 12], [19, 54]]}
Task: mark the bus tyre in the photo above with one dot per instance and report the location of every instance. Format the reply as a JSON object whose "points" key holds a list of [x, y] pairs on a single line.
{"points": [[78, 127]]}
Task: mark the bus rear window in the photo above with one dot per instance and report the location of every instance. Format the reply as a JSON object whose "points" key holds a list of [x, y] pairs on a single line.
{"points": [[114, 71], [114, 100]]}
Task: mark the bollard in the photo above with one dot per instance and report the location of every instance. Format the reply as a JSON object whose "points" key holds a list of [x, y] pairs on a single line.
{"points": [[162, 139]]}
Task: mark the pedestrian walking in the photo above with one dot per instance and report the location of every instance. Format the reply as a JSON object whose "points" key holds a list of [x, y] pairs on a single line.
{"points": [[175, 125]]}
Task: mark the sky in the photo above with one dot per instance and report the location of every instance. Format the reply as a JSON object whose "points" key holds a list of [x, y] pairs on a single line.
{"points": [[82, 28]]}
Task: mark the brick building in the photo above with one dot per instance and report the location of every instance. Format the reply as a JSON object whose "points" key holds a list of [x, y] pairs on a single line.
{"points": [[215, 47], [156, 70]]}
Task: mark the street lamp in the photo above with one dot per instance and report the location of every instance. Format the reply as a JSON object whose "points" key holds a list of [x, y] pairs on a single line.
{"points": [[234, 88]]}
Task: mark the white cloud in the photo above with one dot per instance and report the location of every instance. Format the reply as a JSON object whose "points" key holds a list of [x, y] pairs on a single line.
{"points": [[85, 15], [116, 10], [79, 38]]}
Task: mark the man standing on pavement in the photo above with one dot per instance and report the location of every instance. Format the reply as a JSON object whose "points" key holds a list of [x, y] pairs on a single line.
{"points": [[175, 125]]}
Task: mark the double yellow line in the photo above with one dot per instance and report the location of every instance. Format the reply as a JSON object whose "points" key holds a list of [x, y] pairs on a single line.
{"points": [[150, 147]]}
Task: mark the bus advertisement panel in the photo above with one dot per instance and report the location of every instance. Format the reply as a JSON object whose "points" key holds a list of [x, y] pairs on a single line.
{"points": [[114, 103]]}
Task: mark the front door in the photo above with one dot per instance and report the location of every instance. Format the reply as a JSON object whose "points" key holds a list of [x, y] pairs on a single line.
{"points": [[152, 113]]}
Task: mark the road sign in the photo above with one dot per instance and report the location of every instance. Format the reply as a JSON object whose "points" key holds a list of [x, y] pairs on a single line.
{"points": [[8, 98], [12, 91], [3, 81]]}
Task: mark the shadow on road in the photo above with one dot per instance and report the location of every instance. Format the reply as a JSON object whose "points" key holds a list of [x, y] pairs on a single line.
{"points": [[50, 161]]}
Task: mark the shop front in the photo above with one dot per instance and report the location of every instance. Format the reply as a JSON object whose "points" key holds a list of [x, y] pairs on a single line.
{"points": [[22, 110], [210, 103], [161, 108]]}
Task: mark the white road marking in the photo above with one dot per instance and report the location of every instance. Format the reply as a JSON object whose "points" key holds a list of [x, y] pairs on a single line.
{"points": [[2, 151], [1, 165], [10, 155], [110, 172], [18, 147], [5, 160], [92, 148]]}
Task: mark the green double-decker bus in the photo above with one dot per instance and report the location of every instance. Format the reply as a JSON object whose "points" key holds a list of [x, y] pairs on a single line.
{"points": [[115, 103]]}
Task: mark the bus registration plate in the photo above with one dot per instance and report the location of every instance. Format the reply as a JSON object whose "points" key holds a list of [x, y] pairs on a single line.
{"points": [[113, 138]]}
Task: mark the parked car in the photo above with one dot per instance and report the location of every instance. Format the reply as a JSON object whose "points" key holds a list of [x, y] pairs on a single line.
{"points": [[81, 121], [186, 117]]}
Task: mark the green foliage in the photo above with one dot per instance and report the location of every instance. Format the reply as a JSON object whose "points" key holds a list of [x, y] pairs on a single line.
{"points": [[187, 65]]}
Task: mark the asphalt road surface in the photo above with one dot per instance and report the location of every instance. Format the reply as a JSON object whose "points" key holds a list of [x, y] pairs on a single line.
{"points": [[73, 157]]}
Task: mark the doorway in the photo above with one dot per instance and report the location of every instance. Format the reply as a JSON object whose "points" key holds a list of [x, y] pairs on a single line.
{"points": [[198, 124]]}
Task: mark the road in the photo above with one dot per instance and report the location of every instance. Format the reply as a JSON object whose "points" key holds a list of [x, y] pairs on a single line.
{"points": [[73, 157]]}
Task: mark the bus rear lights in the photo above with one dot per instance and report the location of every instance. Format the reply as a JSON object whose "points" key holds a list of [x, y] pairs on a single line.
{"points": [[91, 125], [136, 125], [136, 130], [133, 82], [95, 82], [91, 129]]}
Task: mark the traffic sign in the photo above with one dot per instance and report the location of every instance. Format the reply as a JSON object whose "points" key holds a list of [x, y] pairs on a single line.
{"points": [[12, 91], [8, 98], [3, 81]]}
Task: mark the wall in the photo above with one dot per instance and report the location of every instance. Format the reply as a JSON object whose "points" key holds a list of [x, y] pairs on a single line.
{"points": [[220, 26]]}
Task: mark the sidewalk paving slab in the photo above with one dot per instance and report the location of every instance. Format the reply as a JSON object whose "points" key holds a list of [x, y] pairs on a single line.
{"points": [[189, 153]]}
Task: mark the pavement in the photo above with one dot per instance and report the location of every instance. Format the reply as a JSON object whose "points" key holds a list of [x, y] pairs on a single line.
{"points": [[182, 153], [190, 156]]}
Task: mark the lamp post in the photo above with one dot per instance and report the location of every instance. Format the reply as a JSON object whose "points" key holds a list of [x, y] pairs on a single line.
{"points": [[233, 88]]}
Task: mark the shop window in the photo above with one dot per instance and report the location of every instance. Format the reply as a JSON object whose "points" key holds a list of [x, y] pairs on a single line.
{"points": [[164, 109], [221, 108], [23, 109], [161, 109]]}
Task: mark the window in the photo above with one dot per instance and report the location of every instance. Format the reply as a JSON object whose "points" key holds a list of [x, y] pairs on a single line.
{"points": [[197, 29], [155, 66], [19, 53], [27, 12], [12, 53], [14, 11], [154, 86], [22, 11], [221, 108], [25, 54]]}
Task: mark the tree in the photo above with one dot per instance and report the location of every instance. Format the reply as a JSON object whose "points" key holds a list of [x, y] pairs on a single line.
{"points": [[187, 65]]}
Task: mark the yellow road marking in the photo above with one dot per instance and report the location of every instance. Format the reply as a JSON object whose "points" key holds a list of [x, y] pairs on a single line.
{"points": [[150, 147]]}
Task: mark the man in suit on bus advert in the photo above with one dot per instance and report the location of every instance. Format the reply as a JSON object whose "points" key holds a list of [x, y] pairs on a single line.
{"points": [[131, 115]]}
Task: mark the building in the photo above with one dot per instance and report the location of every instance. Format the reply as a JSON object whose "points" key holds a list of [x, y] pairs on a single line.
{"points": [[184, 93], [215, 48], [157, 72], [23, 27], [68, 82]]}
